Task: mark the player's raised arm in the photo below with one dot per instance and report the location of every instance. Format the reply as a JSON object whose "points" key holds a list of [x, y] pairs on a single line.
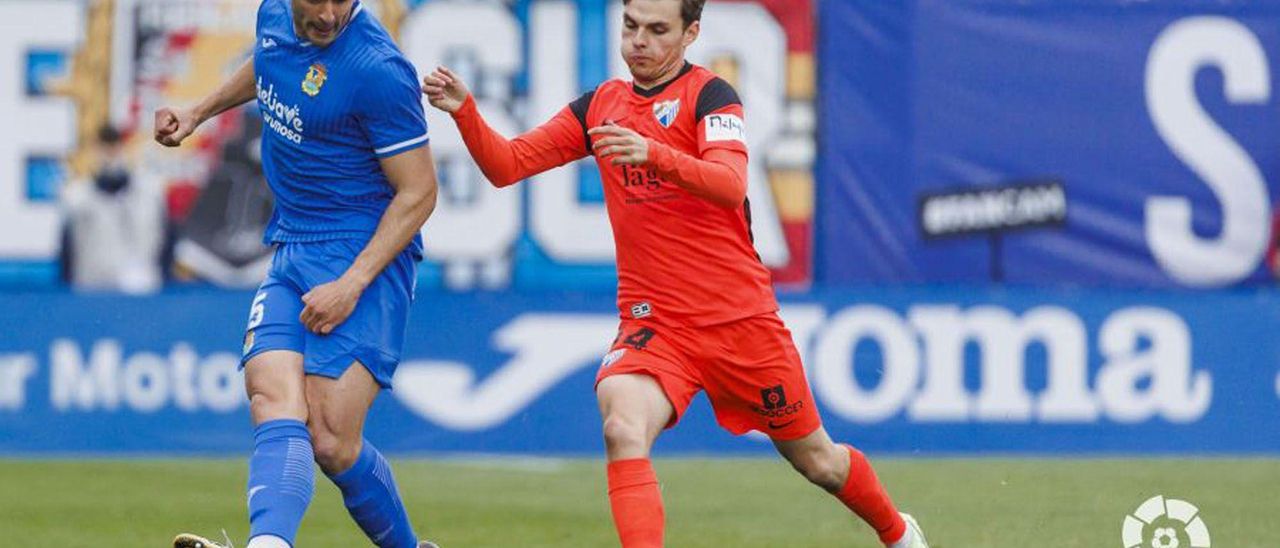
{"points": [[506, 161], [173, 125]]}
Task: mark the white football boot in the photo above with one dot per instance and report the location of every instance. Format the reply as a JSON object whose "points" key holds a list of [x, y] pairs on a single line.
{"points": [[914, 537]]}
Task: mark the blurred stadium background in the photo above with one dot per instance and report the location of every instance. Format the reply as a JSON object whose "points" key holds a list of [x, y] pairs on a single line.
{"points": [[1027, 249]]}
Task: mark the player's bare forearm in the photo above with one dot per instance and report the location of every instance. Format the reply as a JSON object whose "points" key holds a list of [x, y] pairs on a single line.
{"points": [[173, 125], [413, 175], [235, 91]]}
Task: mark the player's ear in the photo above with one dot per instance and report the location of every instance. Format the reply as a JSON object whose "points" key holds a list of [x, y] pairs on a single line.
{"points": [[691, 33]]}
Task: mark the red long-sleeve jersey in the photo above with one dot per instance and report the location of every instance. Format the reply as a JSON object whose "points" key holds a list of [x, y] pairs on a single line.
{"points": [[681, 223]]}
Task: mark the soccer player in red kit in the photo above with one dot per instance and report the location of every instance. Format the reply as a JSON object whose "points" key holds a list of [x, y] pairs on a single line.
{"points": [[698, 311]]}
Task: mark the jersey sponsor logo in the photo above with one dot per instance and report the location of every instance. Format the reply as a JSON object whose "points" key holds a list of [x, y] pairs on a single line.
{"points": [[316, 77], [638, 177], [774, 397], [666, 112], [285, 120], [773, 405], [725, 127]]}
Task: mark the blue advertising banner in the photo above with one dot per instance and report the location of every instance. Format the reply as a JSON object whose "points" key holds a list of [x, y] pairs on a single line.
{"points": [[922, 371], [1157, 117]]}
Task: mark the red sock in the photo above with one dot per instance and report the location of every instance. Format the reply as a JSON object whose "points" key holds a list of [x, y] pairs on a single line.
{"points": [[863, 494], [636, 503]]}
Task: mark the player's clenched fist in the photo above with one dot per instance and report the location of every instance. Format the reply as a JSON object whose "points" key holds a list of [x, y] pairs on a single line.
{"points": [[445, 90], [329, 304], [174, 125]]}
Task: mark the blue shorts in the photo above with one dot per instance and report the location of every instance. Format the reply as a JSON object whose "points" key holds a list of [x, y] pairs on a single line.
{"points": [[374, 333]]}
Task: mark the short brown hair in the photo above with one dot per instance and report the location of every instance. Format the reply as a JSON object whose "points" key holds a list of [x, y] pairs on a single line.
{"points": [[690, 10]]}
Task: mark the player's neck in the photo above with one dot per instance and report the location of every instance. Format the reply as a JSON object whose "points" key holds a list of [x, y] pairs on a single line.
{"points": [[669, 74]]}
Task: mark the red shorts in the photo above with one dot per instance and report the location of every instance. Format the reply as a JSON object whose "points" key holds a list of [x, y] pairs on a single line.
{"points": [[749, 368]]}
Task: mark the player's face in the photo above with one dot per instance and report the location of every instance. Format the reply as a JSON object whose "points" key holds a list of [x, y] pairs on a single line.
{"points": [[654, 39], [319, 21]]}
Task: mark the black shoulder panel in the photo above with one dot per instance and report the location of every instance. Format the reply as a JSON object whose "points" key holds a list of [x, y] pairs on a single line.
{"points": [[714, 96], [579, 107]]}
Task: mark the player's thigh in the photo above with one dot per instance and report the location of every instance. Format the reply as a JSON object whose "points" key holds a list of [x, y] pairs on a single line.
{"points": [[755, 380], [635, 403], [273, 380], [646, 378], [273, 315], [272, 353], [338, 407]]}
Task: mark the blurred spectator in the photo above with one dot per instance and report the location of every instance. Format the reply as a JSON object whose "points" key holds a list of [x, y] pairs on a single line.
{"points": [[114, 223], [221, 236]]}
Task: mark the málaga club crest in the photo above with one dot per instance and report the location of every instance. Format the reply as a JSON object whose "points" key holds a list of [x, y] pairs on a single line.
{"points": [[666, 112]]}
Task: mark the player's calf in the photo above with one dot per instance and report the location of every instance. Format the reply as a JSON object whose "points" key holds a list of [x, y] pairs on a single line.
{"points": [[818, 459], [338, 407], [847, 474], [370, 494], [866, 496], [635, 409]]}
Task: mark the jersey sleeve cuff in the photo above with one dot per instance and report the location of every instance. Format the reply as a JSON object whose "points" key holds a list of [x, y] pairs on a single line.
{"points": [[661, 157], [402, 146], [467, 109]]}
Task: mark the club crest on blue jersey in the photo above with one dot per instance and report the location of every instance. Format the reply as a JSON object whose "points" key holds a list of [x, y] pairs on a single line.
{"points": [[316, 77], [666, 112]]}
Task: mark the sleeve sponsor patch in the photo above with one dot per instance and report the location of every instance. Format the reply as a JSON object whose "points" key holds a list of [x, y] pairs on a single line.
{"points": [[725, 127]]}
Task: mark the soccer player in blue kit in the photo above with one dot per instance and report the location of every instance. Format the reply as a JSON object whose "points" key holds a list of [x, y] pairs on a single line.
{"points": [[344, 148]]}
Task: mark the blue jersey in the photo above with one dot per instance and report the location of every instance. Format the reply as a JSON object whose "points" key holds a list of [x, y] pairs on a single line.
{"points": [[329, 115]]}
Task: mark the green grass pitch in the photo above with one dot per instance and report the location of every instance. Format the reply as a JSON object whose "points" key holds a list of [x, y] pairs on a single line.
{"points": [[740, 503]]}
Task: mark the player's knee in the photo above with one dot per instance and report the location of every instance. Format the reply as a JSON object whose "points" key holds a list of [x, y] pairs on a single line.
{"points": [[267, 405], [625, 435], [334, 454]]}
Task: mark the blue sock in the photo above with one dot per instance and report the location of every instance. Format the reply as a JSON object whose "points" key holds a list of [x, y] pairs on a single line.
{"points": [[371, 497], [281, 478]]}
